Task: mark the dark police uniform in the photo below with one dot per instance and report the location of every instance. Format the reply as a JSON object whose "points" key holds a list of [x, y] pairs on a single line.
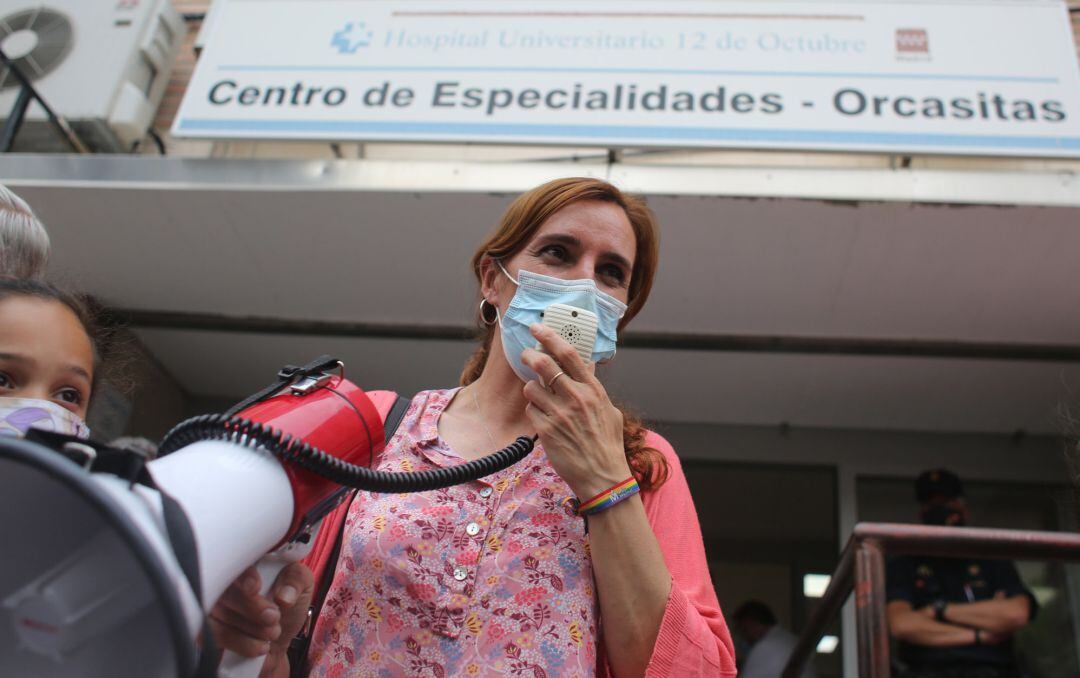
{"points": [[923, 580]]}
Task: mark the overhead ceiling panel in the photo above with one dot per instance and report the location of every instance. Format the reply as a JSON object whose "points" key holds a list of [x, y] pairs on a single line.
{"points": [[914, 394]]}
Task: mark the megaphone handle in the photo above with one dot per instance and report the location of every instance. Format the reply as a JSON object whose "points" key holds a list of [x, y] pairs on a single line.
{"points": [[269, 567]]}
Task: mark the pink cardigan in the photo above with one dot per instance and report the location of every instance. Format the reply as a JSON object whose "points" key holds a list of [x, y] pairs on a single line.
{"points": [[693, 639]]}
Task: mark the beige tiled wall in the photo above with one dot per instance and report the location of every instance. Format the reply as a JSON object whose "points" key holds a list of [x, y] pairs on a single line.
{"points": [[184, 66]]}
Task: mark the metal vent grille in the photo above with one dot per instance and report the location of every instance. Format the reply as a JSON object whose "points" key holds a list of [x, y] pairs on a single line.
{"points": [[54, 40]]}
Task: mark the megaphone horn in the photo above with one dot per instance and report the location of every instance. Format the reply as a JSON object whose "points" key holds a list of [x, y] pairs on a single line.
{"points": [[115, 562]]}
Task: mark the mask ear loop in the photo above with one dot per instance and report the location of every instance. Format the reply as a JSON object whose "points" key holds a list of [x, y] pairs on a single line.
{"points": [[605, 361], [505, 272]]}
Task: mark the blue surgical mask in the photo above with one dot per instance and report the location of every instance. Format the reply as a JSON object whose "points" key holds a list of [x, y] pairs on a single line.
{"points": [[535, 292]]}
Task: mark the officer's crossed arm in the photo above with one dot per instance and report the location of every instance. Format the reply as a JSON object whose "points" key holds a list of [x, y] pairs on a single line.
{"points": [[918, 628], [1002, 614]]}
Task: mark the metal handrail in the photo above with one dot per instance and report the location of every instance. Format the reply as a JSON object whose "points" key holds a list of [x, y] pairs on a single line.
{"points": [[862, 569]]}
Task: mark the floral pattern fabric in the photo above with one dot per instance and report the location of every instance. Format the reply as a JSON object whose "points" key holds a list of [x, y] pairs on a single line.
{"points": [[18, 415], [489, 578]]}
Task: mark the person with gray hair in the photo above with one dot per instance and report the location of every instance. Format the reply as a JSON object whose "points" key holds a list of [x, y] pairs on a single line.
{"points": [[24, 243]]}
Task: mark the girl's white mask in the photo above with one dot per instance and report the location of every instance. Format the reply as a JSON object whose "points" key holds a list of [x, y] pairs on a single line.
{"points": [[18, 415]]}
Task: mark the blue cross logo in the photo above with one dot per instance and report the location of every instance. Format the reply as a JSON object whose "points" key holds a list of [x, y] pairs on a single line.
{"points": [[351, 38]]}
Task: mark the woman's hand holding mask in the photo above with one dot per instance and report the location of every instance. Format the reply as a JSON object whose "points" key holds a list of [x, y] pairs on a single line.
{"points": [[579, 427]]}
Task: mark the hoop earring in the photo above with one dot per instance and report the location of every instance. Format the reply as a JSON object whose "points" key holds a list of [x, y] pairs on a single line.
{"points": [[483, 318]]}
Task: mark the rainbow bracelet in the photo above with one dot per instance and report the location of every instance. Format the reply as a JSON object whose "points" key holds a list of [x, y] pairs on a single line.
{"points": [[609, 497]]}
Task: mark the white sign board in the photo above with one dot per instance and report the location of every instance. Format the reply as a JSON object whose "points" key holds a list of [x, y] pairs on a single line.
{"points": [[992, 77]]}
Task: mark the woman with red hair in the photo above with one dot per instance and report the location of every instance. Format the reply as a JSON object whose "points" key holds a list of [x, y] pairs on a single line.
{"points": [[585, 558]]}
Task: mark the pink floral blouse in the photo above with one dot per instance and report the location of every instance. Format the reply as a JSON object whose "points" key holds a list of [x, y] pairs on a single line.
{"points": [[489, 578]]}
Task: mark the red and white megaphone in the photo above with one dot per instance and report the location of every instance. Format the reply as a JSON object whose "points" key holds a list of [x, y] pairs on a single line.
{"points": [[110, 564]]}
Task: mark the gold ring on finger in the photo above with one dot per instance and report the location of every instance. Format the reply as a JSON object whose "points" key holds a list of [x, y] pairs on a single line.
{"points": [[551, 384]]}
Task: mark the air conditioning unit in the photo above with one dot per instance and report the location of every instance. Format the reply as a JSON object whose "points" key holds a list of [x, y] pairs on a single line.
{"points": [[102, 64]]}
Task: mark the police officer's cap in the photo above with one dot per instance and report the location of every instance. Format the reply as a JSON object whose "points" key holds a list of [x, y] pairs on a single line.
{"points": [[938, 481]]}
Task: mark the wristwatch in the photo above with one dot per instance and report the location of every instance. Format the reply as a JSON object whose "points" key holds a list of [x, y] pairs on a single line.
{"points": [[939, 609]]}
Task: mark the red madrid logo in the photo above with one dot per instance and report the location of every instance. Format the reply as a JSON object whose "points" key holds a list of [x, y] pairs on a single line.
{"points": [[912, 41]]}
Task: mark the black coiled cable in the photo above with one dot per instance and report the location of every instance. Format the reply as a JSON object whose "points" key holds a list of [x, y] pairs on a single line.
{"points": [[294, 450]]}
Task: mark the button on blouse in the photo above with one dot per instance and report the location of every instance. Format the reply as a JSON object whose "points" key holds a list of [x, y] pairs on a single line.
{"points": [[488, 578]]}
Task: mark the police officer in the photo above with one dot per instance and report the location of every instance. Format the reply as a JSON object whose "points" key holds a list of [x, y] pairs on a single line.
{"points": [[954, 617]]}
